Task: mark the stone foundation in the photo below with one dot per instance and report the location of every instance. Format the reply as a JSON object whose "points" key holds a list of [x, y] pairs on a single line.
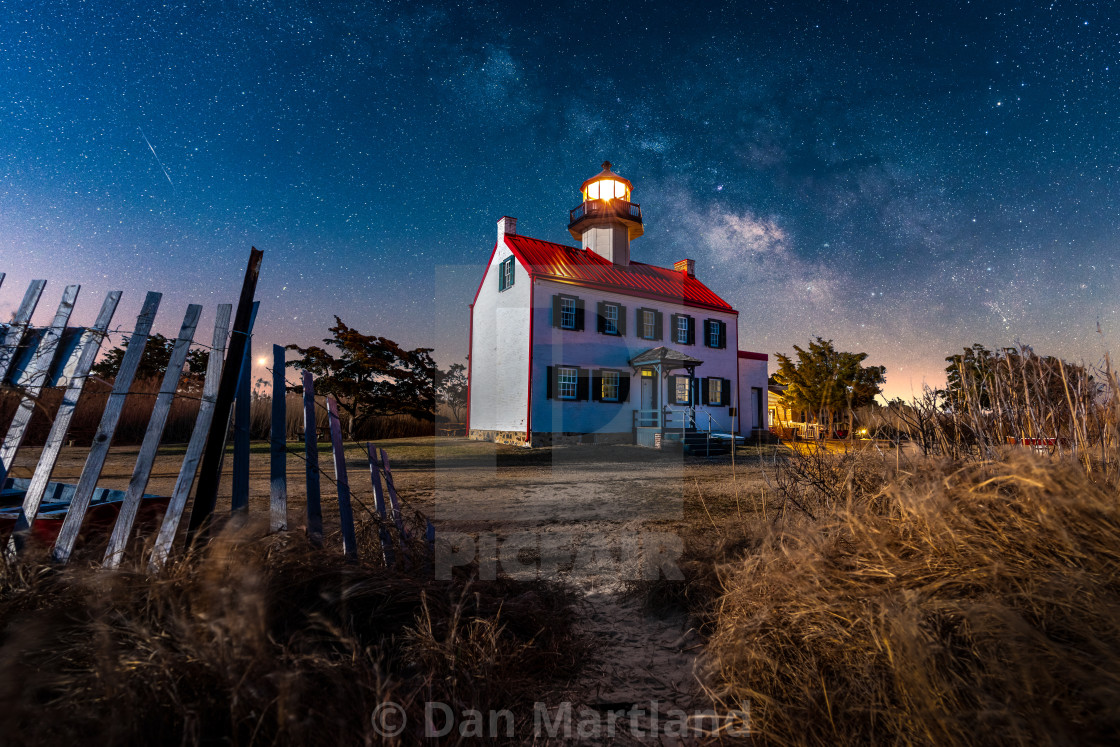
{"points": [[512, 438], [539, 439]]}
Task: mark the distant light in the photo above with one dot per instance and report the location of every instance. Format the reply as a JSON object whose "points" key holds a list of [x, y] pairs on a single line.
{"points": [[262, 361]]}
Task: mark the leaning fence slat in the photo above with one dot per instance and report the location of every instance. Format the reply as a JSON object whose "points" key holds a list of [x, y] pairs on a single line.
{"points": [[379, 504], [210, 473], [19, 325], [147, 457], [345, 511], [95, 460], [202, 424], [31, 383], [393, 501], [242, 411], [88, 353], [278, 467], [311, 458]]}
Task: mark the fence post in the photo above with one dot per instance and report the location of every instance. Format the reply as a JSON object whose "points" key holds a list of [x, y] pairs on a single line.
{"points": [[211, 473], [242, 410], [19, 325], [345, 511], [278, 466], [379, 504], [34, 496], [393, 497], [95, 460], [147, 457], [311, 457], [202, 425], [33, 379]]}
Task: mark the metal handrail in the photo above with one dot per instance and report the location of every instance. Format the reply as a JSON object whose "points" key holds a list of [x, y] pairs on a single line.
{"points": [[592, 207]]}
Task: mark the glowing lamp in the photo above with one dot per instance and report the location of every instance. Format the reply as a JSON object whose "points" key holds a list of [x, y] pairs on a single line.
{"points": [[606, 185]]}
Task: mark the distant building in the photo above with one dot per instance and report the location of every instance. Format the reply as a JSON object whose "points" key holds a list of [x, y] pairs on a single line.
{"points": [[581, 344]]}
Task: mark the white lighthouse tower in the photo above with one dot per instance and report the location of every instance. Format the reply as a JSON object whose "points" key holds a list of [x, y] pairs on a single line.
{"points": [[606, 221]]}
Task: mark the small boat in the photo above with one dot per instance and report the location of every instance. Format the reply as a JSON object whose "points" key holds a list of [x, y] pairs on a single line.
{"points": [[100, 516]]}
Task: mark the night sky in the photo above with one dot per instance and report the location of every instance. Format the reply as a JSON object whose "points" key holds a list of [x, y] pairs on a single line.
{"points": [[906, 179]]}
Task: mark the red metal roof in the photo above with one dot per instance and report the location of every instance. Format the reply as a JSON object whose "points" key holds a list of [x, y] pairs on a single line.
{"points": [[567, 264]]}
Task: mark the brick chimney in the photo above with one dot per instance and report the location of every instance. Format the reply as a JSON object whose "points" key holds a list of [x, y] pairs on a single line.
{"points": [[506, 225], [687, 266]]}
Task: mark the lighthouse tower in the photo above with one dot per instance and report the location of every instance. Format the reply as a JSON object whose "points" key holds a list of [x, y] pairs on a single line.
{"points": [[606, 221]]}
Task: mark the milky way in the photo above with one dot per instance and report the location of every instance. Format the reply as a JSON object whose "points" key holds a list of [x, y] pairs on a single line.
{"points": [[906, 179]]}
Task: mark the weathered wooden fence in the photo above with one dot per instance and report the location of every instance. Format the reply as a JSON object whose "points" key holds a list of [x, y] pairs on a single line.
{"points": [[33, 360]]}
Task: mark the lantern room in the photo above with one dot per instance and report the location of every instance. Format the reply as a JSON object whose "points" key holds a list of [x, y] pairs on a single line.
{"points": [[606, 221], [606, 185]]}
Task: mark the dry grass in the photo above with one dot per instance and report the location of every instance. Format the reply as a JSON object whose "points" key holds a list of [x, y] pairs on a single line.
{"points": [[184, 411], [256, 640], [943, 604]]}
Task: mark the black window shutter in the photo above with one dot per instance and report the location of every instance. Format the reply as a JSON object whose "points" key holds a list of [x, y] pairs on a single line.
{"points": [[673, 327], [596, 385], [722, 334], [622, 320], [691, 330], [658, 325], [549, 379], [601, 314], [623, 387], [582, 384], [725, 393], [579, 314], [556, 310], [672, 382], [694, 391], [704, 392]]}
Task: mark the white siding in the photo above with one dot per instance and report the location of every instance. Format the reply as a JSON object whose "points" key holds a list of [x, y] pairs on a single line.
{"points": [[500, 350], [752, 375], [590, 349]]}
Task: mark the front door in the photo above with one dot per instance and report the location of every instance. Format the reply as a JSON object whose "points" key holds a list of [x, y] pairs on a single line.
{"points": [[649, 393]]}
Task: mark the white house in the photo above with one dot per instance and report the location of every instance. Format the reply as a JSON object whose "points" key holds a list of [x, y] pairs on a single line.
{"points": [[581, 344]]}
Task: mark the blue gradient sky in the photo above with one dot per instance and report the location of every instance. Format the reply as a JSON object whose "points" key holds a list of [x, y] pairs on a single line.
{"points": [[902, 178]]}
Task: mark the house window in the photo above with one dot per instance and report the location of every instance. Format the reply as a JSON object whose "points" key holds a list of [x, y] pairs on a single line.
{"points": [[609, 392], [610, 319], [649, 319], [715, 391], [680, 396], [566, 378], [505, 278], [567, 313], [715, 333], [682, 330]]}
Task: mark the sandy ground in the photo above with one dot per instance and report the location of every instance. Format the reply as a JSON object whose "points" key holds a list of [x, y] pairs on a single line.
{"points": [[596, 517]]}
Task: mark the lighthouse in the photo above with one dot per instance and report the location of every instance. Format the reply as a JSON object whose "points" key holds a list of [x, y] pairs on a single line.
{"points": [[606, 221]]}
